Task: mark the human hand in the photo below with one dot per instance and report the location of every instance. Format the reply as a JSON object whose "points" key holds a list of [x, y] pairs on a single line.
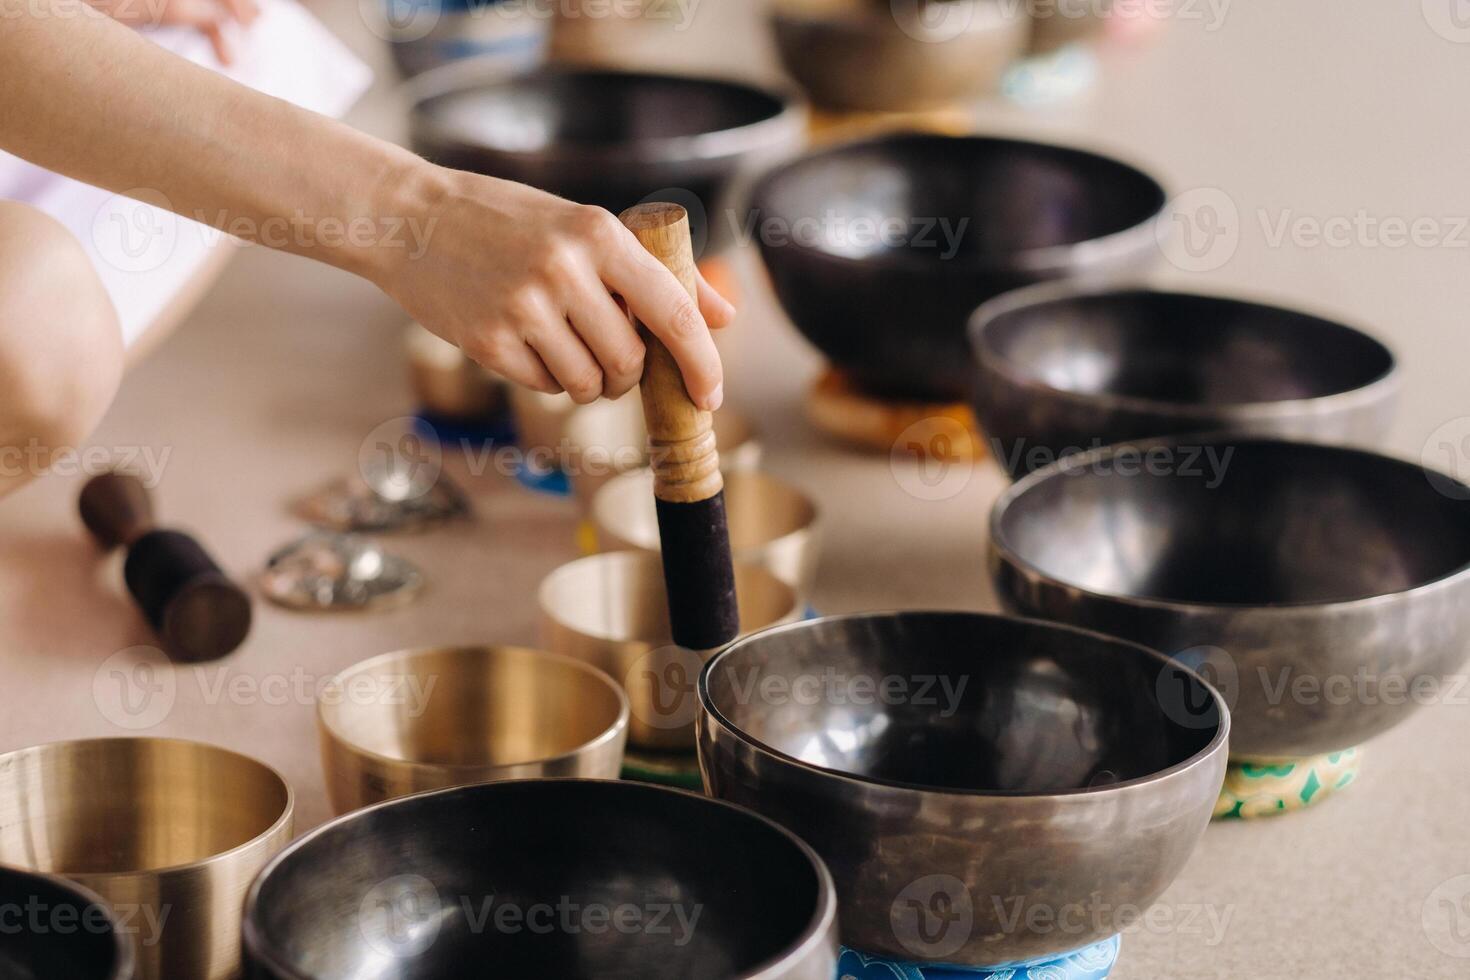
{"points": [[206, 16], [525, 282]]}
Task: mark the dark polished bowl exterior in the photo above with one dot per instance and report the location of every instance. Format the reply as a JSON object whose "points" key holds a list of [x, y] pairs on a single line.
{"points": [[890, 306], [1064, 368], [1058, 769], [418, 887], [603, 137], [57, 930], [1308, 581]]}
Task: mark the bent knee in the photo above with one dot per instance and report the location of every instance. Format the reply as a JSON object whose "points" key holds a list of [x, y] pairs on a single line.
{"points": [[61, 352]]}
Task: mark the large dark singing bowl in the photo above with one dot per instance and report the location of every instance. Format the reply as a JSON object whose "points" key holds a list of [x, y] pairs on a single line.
{"points": [[880, 250], [965, 775], [1065, 367], [1323, 589], [52, 929], [603, 137], [572, 879]]}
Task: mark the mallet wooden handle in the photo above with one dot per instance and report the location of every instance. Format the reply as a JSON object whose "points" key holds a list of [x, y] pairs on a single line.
{"points": [[693, 529]]}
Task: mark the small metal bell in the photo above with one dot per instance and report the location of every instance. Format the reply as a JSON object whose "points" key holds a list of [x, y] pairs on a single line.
{"points": [[325, 570]]}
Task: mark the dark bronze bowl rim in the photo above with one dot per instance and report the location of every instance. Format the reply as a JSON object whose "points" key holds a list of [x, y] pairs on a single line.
{"points": [[1062, 468], [989, 359], [1216, 745], [124, 954], [822, 924], [859, 21], [1043, 260], [711, 146]]}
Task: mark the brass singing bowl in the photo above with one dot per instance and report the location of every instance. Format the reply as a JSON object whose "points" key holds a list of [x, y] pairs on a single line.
{"points": [[611, 611], [169, 832], [448, 383], [607, 438], [55, 928], [540, 421], [957, 771], [772, 524], [509, 880], [415, 720]]}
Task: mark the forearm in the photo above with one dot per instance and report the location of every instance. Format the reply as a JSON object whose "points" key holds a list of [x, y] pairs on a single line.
{"points": [[88, 98]]}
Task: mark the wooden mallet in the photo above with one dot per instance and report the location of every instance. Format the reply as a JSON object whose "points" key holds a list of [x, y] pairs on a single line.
{"points": [[690, 493], [197, 612]]}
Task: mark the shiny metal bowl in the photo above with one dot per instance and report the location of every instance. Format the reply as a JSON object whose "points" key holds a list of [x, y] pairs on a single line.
{"points": [[57, 929], [415, 720], [168, 832], [572, 879], [880, 250], [1066, 367], [858, 55], [954, 769], [604, 137], [1323, 589]]}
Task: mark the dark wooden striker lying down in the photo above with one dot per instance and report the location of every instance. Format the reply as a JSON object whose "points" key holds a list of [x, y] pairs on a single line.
{"points": [[198, 613], [692, 526]]}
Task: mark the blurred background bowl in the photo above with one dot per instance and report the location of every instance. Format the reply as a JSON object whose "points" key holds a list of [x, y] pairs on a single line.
{"points": [[772, 524], [171, 831], [1279, 563], [57, 929], [1057, 24], [414, 720], [449, 385], [393, 888], [1063, 368], [864, 56], [880, 250], [611, 611], [503, 36], [1006, 761]]}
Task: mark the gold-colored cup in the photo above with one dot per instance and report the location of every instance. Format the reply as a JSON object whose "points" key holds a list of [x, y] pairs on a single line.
{"points": [[772, 524], [608, 438], [169, 832], [540, 424], [448, 383], [417, 720], [611, 611]]}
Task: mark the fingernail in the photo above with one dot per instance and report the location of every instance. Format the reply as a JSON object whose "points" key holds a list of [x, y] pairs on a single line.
{"points": [[715, 398]]}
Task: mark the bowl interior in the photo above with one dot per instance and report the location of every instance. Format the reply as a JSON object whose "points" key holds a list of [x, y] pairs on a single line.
{"points": [[619, 597], [954, 701], [106, 806], [560, 108], [83, 945], [1264, 522], [1182, 349], [470, 706], [628, 853], [992, 198], [760, 509]]}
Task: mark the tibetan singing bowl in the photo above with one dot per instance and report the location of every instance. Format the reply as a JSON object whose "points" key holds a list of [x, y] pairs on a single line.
{"points": [[954, 768], [168, 832], [449, 384], [1322, 589], [1064, 368], [863, 56], [772, 524], [611, 611], [540, 421], [607, 438], [57, 929], [880, 250], [603, 137], [572, 879], [416, 720]]}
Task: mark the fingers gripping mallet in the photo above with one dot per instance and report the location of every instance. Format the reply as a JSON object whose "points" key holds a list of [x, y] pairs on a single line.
{"points": [[690, 492]]}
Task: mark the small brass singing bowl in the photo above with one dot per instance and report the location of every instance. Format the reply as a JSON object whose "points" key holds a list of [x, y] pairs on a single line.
{"points": [[168, 832], [59, 929], [416, 720], [611, 610], [540, 421], [772, 524], [608, 438]]}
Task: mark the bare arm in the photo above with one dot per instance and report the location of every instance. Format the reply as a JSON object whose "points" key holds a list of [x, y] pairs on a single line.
{"points": [[521, 280]]}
